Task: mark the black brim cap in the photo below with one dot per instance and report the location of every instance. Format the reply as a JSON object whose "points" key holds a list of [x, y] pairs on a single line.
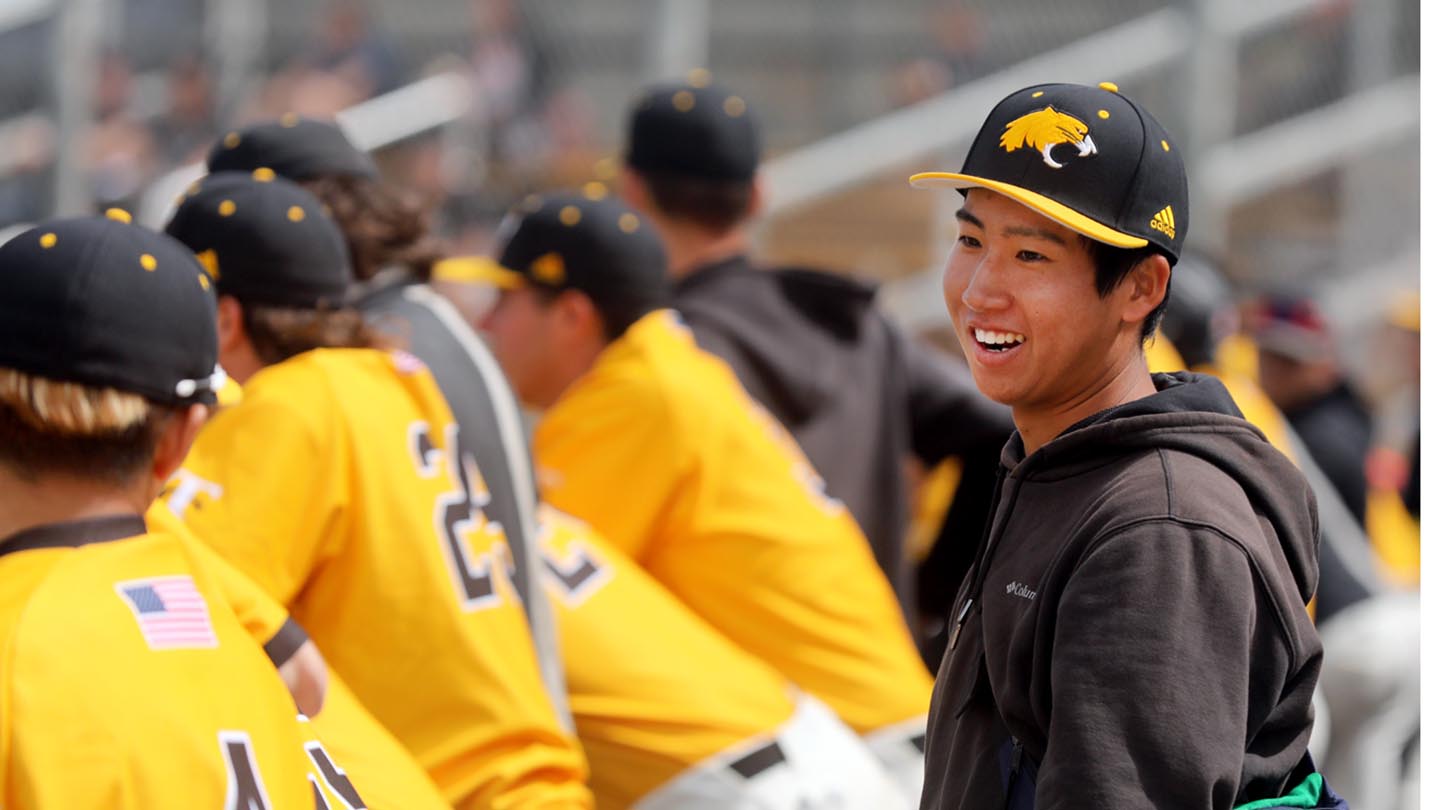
{"points": [[105, 303], [294, 147], [1086, 157], [693, 128], [573, 241], [264, 239]]}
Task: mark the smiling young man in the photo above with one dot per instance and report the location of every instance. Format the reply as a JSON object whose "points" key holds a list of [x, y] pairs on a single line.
{"points": [[1134, 634]]}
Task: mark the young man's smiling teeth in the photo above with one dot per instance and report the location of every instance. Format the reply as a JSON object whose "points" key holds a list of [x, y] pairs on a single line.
{"points": [[998, 341]]}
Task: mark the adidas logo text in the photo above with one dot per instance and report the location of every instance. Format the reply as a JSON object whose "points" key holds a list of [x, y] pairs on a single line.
{"points": [[1164, 221]]}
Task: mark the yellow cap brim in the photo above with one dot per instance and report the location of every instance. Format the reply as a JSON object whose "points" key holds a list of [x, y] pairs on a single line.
{"points": [[476, 270], [1070, 218]]}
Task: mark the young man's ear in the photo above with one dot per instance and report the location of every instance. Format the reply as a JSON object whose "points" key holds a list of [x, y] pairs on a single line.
{"points": [[229, 322], [759, 196], [579, 316], [1144, 288], [175, 440], [630, 188]]}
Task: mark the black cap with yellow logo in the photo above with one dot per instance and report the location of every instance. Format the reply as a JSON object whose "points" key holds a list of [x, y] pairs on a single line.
{"points": [[104, 303], [295, 147], [585, 242], [1088, 158], [694, 128], [264, 240]]}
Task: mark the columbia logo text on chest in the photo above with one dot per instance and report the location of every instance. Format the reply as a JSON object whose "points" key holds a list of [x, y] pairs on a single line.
{"points": [[1021, 590]]}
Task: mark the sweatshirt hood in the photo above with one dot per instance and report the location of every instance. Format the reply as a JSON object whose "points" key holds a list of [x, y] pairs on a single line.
{"points": [[800, 367], [1193, 414]]}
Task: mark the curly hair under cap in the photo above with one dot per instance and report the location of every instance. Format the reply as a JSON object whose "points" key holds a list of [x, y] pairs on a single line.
{"points": [[382, 227], [279, 333]]}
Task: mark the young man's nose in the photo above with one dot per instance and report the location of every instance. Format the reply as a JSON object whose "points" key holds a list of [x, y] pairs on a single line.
{"points": [[984, 292]]}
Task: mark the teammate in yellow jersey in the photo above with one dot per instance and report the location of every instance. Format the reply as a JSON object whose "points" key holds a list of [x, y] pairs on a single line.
{"points": [[655, 443], [132, 677], [675, 716], [338, 484]]}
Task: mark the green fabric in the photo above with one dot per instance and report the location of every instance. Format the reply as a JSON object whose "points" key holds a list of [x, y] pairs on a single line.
{"points": [[1305, 794]]}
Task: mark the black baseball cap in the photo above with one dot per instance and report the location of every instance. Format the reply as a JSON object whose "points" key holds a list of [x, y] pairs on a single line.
{"points": [[574, 241], [294, 147], [1088, 158], [264, 240], [108, 304], [694, 128]]}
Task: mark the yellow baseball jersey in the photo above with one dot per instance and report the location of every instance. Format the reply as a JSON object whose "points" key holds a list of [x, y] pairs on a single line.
{"points": [[654, 689], [128, 681], [377, 765], [659, 448], [337, 483]]}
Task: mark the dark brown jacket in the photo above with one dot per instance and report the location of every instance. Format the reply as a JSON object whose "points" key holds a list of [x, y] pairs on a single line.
{"points": [[1135, 633]]}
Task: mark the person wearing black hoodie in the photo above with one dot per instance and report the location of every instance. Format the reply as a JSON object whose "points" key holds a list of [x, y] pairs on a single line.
{"points": [[857, 393], [1134, 633]]}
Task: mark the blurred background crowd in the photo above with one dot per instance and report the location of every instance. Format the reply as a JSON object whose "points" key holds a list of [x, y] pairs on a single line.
{"points": [[1299, 121]]}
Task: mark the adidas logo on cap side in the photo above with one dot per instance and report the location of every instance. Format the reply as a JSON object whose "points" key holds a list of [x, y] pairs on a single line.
{"points": [[1164, 221]]}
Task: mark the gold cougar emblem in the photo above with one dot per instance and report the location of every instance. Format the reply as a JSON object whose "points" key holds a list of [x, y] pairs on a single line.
{"points": [[1043, 129]]}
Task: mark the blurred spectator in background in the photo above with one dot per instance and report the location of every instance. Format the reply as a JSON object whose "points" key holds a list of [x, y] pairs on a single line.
{"points": [[350, 46], [186, 128], [957, 56], [1204, 315], [1393, 466], [511, 75], [119, 152], [1300, 372]]}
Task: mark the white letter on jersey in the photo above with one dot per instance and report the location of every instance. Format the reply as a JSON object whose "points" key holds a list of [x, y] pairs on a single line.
{"points": [[188, 485]]}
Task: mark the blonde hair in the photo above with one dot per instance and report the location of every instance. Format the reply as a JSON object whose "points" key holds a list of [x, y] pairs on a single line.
{"points": [[96, 433], [70, 409]]}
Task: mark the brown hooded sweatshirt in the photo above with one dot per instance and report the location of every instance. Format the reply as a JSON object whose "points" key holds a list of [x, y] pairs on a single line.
{"points": [[1135, 634]]}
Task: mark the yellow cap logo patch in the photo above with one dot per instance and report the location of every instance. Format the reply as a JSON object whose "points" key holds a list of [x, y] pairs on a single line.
{"points": [[1044, 130], [549, 269], [210, 262]]}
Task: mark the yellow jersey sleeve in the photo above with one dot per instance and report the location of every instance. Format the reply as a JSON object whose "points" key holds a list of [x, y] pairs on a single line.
{"points": [[262, 486], [258, 612], [591, 460], [660, 449], [706, 693], [375, 765]]}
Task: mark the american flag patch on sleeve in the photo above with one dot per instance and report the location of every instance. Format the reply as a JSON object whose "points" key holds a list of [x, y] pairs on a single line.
{"points": [[170, 611]]}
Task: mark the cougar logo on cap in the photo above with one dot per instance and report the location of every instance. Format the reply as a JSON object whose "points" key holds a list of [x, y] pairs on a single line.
{"points": [[1044, 129]]}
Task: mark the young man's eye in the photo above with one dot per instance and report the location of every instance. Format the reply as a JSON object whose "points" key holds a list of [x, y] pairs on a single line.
{"points": [[1031, 256], [969, 241]]}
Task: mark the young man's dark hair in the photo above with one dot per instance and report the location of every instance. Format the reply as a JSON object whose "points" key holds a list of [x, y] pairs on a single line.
{"points": [[859, 395], [715, 205], [1112, 265], [1134, 633]]}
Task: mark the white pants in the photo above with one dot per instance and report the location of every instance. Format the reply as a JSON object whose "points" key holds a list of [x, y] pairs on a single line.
{"points": [[813, 762], [900, 749], [1371, 679]]}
